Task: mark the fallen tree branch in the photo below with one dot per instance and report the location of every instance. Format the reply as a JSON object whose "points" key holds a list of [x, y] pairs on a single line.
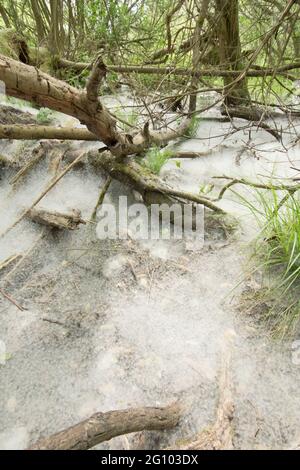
{"points": [[102, 427], [28, 83], [101, 197], [183, 72], [254, 115], [150, 186], [33, 132], [233, 181]]}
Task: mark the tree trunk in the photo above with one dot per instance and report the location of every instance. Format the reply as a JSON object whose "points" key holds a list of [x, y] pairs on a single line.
{"points": [[5, 17], [230, 50], [38, 18]]}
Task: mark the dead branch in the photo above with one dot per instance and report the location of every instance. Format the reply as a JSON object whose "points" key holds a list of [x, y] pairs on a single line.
{"points": [[191, 154], [101, 196], [30, 132], [94, 82], [254, 115], [28, 83], [149, 185], [275, 187], [255, 71], [102, 427]]}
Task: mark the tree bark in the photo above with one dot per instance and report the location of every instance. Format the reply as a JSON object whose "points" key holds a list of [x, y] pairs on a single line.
{"points": [[29, 132], [29, 83], [102, 427], [230, 51]]}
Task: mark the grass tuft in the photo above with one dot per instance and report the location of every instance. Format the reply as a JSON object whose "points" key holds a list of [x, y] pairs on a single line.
{"points": [[156, 158], [278, 249]]}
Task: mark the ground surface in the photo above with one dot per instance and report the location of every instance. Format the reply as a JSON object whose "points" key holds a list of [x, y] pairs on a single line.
{"points": [[113, 324]]}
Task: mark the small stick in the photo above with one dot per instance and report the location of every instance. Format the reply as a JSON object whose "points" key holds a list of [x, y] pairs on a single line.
{"points": [[101, 197], [28, 166], [8, 297]]}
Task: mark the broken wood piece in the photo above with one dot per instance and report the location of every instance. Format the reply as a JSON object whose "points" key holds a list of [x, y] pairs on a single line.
{"points": [[102, 427], [187, 154], [55, 219]]}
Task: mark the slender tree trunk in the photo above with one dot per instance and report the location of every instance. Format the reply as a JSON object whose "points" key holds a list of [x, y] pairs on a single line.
{"points": [[230, 50], [5, 17], [40, 26]]}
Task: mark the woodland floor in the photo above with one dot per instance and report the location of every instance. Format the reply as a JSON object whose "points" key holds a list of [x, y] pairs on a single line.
{"points": [[113, 324]]}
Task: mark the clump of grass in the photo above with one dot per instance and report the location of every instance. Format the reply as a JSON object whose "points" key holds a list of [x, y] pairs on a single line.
{"points": [[278, 248], [44, 116], [193, 128], [156, 158], [127, 119]]}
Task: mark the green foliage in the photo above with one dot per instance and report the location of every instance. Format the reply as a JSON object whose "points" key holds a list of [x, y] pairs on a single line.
{"points": [[16, 101], [156, 158], [278, 249], [127, 120], [193, 127], [44, 116], [206, 188], [9, 43]]}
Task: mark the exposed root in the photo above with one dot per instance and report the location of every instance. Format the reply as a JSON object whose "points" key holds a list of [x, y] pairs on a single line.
{"points": [[150, 186], [220, 435]]}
